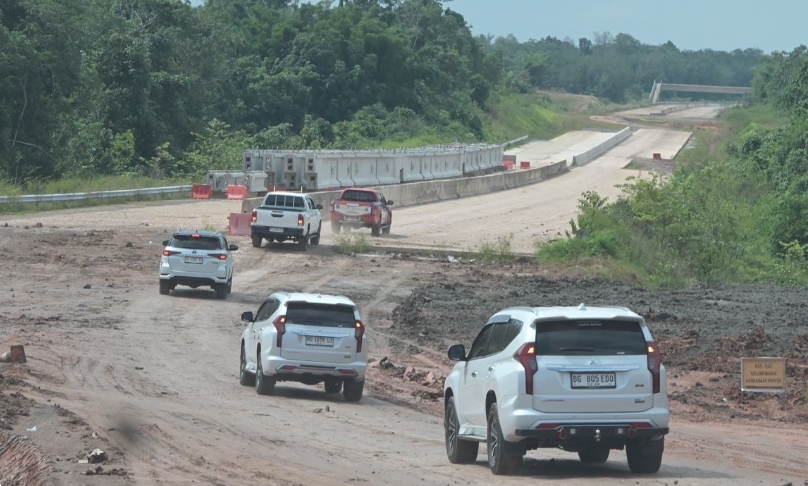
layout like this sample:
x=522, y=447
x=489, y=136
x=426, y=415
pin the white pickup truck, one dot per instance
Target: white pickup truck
x=287, y=216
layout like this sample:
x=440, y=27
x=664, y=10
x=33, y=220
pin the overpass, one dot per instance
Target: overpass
x=695, y=88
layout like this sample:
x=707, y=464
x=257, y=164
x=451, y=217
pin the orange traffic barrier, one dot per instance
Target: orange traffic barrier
x=236, y=192
x=239, y=224
x=508, y=164
x=524, y=165
x=201, y=191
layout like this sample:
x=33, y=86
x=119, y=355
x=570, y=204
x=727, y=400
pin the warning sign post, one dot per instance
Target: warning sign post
x=763, y=375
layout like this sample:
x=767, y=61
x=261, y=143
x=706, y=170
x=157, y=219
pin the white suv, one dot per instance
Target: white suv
x=197, y=259
x=583, y=379
x=308, y=338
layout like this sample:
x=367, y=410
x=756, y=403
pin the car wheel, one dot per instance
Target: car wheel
x=499, y=463
x=335, y=227
x=303, y=242
x=645, y=456
x=459, y=451
x=386, y=229
x=165, y=287
x=221, y=291
x=316, y=239
x=244, y=377
x=352, y=390
x=256, y=240
x=594, y=455
x=230, y=285
x=332, y=386
x=375, y=230
x=264, y=385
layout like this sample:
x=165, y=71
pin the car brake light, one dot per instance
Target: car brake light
x=170, y=252
x=654, y=361
x=254, y=217
x=360, y=333
x=195, y=235
x=300, y=221
x=220, y=256
x=280, y=327
x=527, y=357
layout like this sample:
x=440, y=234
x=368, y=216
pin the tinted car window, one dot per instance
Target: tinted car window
x=266, y=310
x=195, y=243
x=589, y=337
x=328, y=315
x=503, y=335
x=480, y=346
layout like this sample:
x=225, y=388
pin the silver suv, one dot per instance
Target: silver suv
x=582, y=379
x=197, y=259
x=308, y=338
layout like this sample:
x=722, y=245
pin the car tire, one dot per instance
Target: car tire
x=386, y=229
x=499, y=463
x=221, y=291
x=303, y=242
x=335, y=227
x=264, y=385
x=352, y=390
x=644, y=455
x=165, y=287
x=256, y=240
x=332, y=386
x=597, y=454
x=376, y=230
x=316, y=240
x=458, y=450
x=230, y=285
x=244, y=376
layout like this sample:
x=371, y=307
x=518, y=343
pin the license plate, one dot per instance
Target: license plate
x=350, y=219
x=319, y=341
x=593, y=380
x=275, y=230
x=193, y=259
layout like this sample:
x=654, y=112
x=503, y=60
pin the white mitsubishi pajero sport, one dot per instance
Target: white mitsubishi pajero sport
x=583, y=379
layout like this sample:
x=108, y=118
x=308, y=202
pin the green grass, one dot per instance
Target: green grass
x=352, y=243
x=498, y=250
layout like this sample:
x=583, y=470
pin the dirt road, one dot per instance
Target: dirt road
x=152, y=380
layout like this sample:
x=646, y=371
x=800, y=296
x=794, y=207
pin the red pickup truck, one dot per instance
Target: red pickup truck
x=361, y=208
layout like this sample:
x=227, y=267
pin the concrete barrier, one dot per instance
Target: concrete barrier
x=424, y=192
x=596, y=152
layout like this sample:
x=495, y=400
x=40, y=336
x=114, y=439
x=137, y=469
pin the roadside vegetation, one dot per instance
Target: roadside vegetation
x=735, y=210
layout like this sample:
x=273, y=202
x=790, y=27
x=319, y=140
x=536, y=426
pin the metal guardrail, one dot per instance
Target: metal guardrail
x=516, y=140
x=79, y=196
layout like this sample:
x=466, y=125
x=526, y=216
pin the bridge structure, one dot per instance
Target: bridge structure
x=696, y=88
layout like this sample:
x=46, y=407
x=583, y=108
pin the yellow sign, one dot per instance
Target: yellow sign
x=763, y=374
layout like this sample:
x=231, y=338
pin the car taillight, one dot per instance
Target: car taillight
x=654, y=361
x=254, y=217
x=527, y=357
x=220, y=256
x=280, y=327
x=300, y=220
x=360, y=333
x=170, y=252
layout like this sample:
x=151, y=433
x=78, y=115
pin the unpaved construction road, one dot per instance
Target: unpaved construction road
x=152, y=380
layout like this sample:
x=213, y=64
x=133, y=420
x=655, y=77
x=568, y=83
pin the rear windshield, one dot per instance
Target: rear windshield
x=284, y=201
x=358, y=196
x=328, y=315
x=195, y=243
x=589, y=337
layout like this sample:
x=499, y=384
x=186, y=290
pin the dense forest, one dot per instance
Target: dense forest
x=164, y=89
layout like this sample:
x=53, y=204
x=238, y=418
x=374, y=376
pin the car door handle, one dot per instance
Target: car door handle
x=474, y=374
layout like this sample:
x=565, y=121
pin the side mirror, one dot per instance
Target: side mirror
x=232, y=247
x=247, y=316
x=165, y=242
x=389, y=202
x=457, y=352
x=319, y=206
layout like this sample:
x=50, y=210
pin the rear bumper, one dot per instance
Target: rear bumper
x=354, y=221
x=571, y=436
x=285, y=369
x=193, y=279
x=264, y=231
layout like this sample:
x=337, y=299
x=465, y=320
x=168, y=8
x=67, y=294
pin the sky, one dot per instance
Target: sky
x=724, y=25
